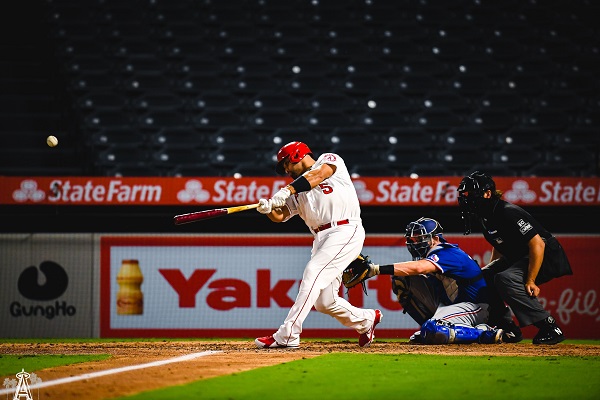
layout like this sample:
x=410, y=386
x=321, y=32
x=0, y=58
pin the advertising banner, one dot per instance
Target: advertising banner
x=46, y=285
x=211, y=191
x=243, y=286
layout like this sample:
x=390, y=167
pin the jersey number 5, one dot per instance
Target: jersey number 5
x=326, y=189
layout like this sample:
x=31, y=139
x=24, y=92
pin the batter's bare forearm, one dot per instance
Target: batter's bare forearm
x=315, y=176
x=278, y=214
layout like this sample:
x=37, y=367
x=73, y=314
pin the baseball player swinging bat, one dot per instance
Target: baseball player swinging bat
x=207, y=214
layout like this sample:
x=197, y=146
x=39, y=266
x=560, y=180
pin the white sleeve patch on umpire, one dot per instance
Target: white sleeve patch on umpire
x=524, y=227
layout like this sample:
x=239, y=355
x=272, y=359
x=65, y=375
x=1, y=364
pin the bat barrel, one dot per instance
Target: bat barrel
x=198, y=216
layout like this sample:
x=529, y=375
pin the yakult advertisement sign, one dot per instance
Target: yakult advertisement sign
x=243, y=286
x=438, y=191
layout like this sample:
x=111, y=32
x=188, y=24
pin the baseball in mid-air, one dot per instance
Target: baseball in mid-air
x=52, y=141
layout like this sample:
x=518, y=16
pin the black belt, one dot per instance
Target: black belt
x=329, y=225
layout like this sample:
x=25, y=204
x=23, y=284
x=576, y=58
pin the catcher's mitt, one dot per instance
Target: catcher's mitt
x=357, y=272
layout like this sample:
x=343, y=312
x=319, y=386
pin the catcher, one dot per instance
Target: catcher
x=442, y=289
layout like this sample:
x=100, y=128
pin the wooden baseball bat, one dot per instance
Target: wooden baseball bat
x=207, y=214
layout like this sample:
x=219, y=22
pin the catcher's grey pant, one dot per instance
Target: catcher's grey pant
x=465, y=313
x=333, y=249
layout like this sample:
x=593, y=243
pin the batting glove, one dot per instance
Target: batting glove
x=279, y=198
x=264, y=206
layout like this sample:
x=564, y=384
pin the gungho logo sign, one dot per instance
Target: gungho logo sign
x=54, y=286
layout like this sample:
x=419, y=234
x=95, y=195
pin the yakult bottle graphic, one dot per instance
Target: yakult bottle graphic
x=130, y=299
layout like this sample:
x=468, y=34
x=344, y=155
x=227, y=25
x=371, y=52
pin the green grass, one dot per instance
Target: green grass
x=378, y=376
x=11, y=364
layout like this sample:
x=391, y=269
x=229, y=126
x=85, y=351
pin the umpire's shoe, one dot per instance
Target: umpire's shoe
x=549, y=332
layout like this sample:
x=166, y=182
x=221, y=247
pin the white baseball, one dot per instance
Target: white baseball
x=52, y=141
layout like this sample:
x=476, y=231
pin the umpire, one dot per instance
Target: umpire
x=524, y=255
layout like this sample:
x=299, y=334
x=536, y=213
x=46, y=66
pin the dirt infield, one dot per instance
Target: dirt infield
x=233, y=357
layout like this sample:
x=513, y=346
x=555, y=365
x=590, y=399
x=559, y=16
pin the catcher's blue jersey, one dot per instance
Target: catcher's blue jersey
x=456, y=264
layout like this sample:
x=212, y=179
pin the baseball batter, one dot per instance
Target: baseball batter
x=323, y=195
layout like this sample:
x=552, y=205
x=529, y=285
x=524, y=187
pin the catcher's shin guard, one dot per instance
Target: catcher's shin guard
x=442, y=332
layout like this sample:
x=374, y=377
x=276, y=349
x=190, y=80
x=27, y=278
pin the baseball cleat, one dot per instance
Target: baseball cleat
x=550, y=333
x=268, y=342
x=365, y=339
x=416, y=338
x=512, y=333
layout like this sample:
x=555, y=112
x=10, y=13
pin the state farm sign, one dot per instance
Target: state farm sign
x=210, y=191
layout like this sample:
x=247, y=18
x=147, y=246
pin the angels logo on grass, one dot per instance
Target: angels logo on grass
x=21, y=387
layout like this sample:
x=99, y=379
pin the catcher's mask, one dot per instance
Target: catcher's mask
x=296, y=151
x=471, y=199
x=419, y=236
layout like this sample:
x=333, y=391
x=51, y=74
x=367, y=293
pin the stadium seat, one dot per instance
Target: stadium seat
x=108, y=119
x=152, y=102
x=156, y=120
x=430, y=170
x=516, y=158
x=105, y=100
x=211, y=119
x=328, y=119
x=524, y=138
x=493, y=120
x=383, y=119
x=332, y=101
x=467, y=138
x=274, y=101
x=353, y=139
x=246, y=170
x=389, y=103
x=578, y=158
x=438, y=120
x=447, y=100
x=403, y=159
x=463, y=158
x=545, y=170
x=123, y=138
x=225, y=158
x=215, y=101
x=168, y=158
x=272, y=119
x=472, y=85
x=179, y=138
x=547, y=120
x=236, y=139
x=502, y=100
x=411, y=138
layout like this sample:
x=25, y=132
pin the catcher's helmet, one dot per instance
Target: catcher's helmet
x=419, y=235
x=296, y=151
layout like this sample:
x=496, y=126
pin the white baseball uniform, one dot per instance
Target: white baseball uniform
x=334, y=202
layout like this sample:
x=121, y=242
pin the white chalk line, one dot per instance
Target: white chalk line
x=98, y=374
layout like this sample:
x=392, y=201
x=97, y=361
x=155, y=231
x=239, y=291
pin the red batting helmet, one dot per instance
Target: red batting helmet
x=296, y=151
